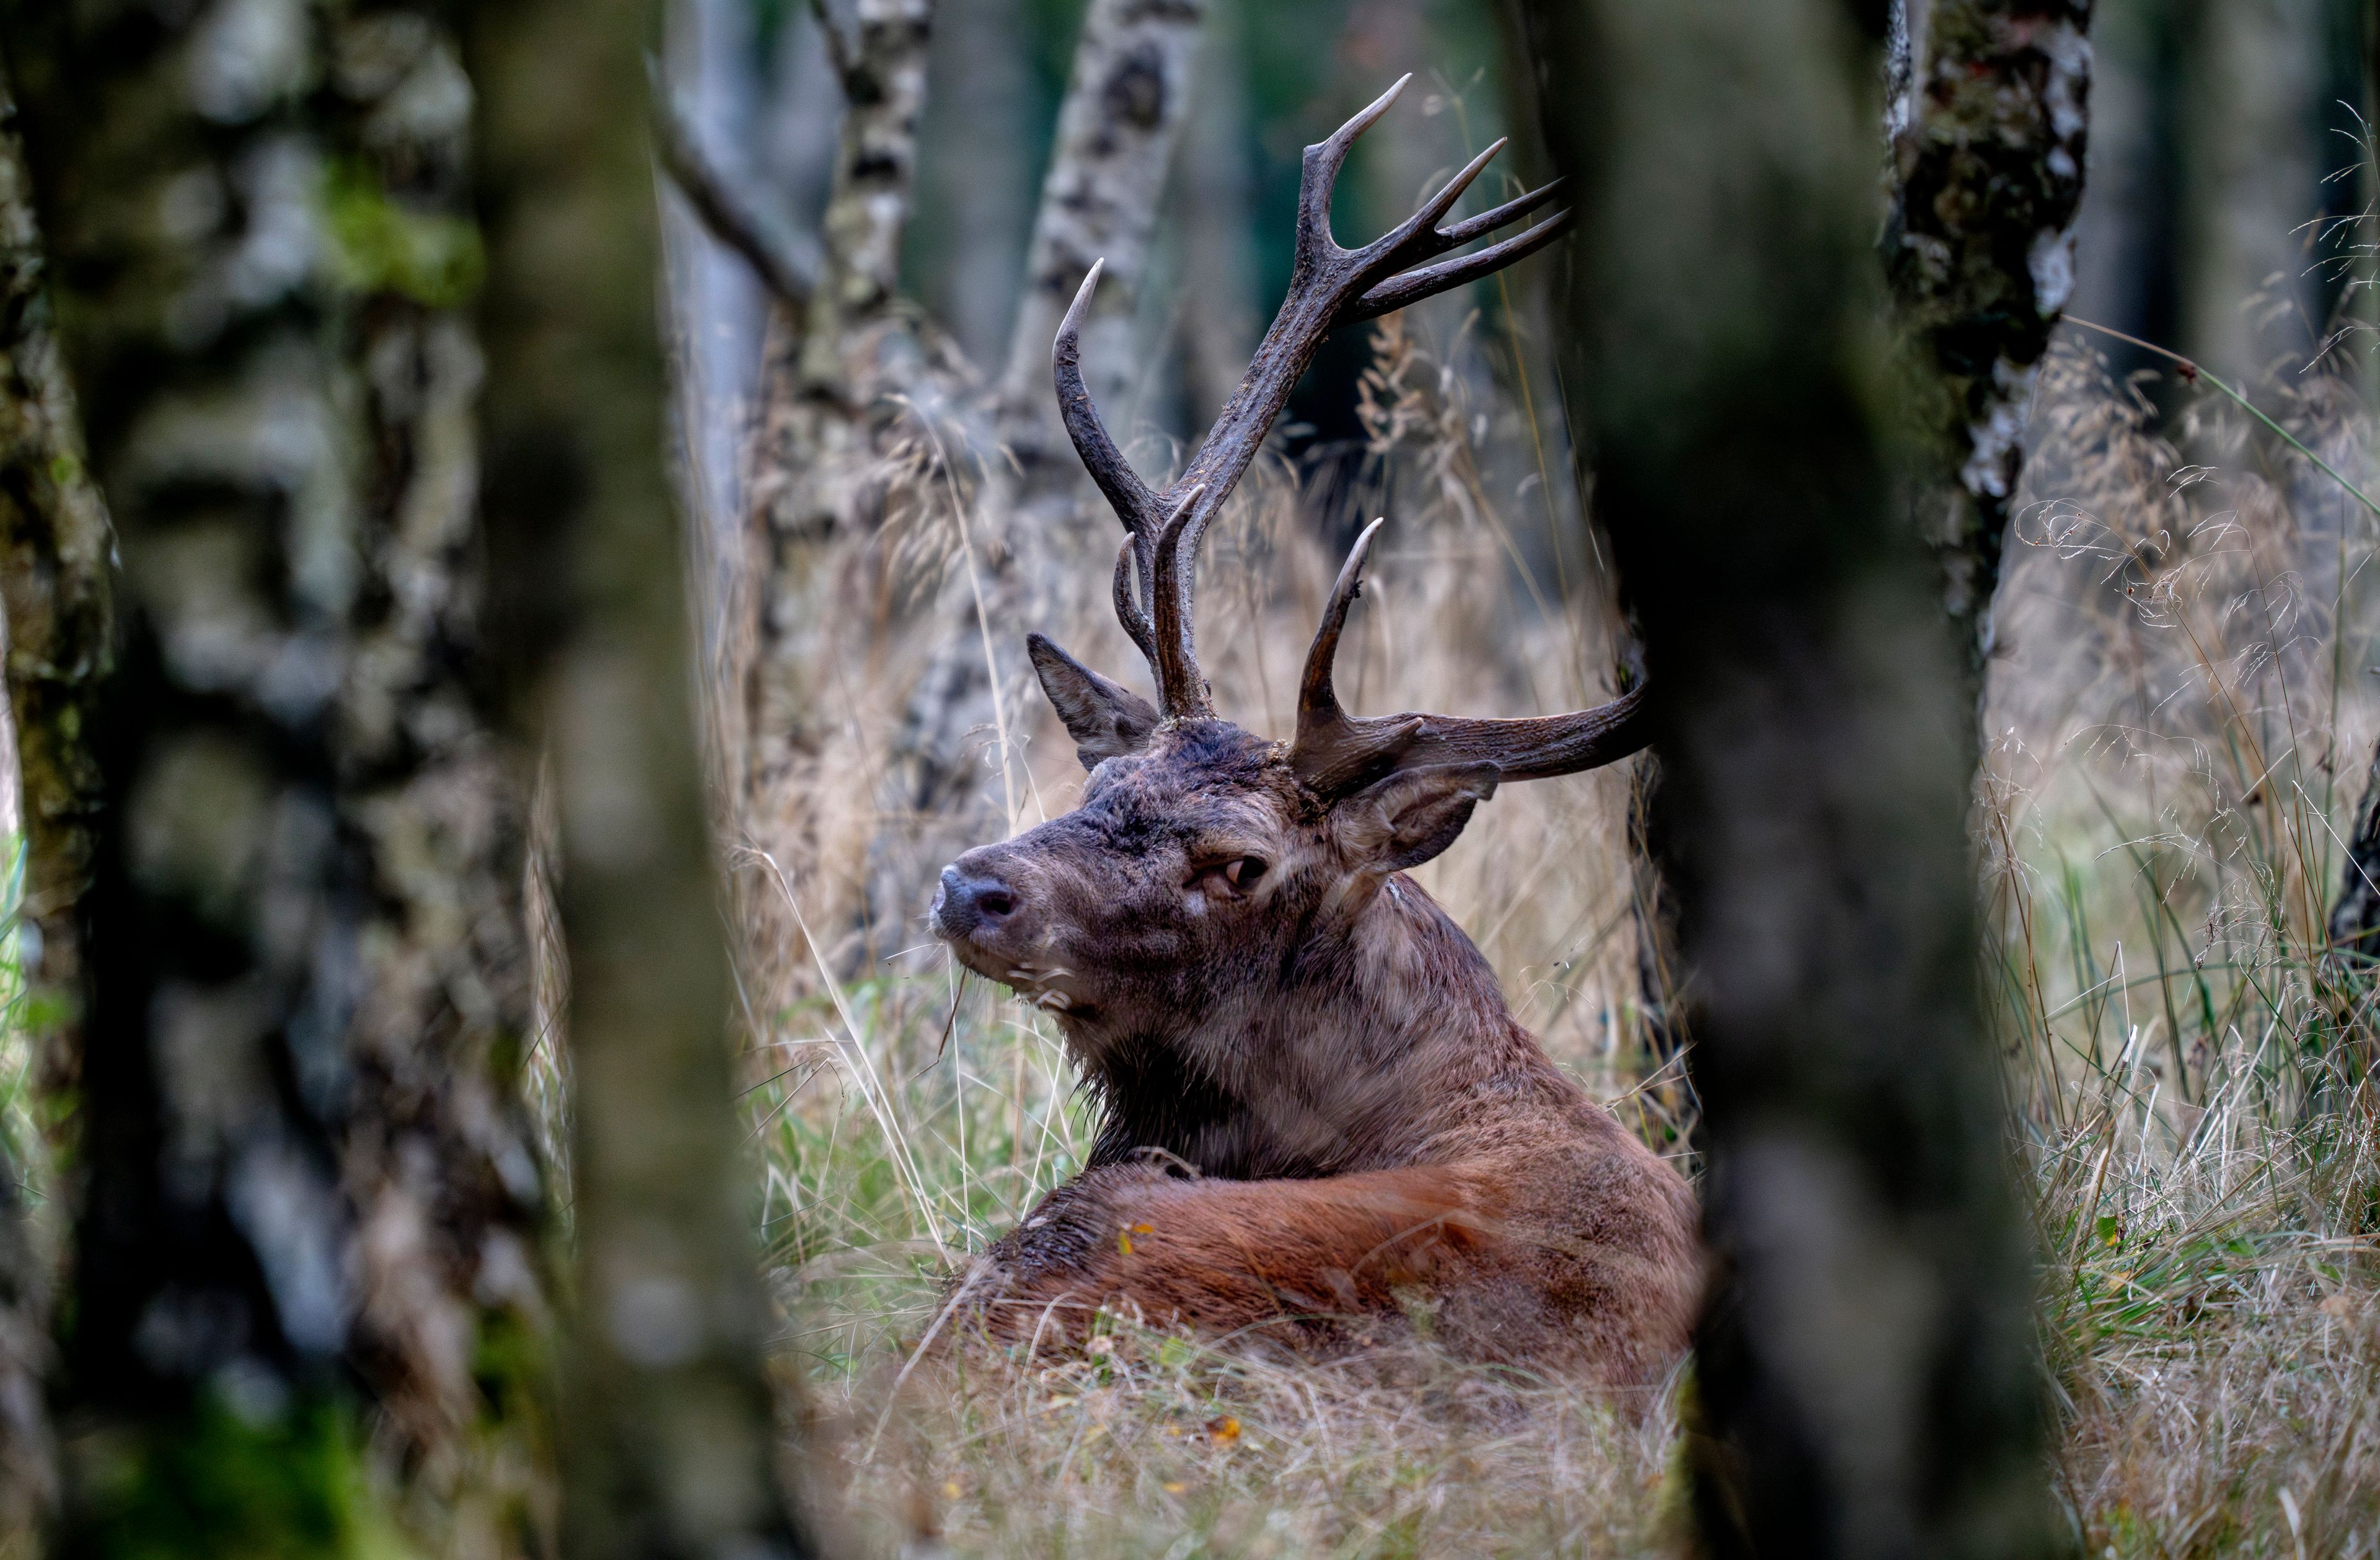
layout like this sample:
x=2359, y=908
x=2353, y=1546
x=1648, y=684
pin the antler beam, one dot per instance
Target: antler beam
x=1330, y=286
x=1335, y=753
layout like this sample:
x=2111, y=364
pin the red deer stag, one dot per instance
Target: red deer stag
x=1317, y=1111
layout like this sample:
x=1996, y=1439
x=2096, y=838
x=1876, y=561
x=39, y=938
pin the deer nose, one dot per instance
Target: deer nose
x=968, y=901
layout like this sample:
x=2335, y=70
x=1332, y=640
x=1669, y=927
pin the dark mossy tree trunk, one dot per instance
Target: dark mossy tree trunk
x=1988, y=115
x=1865, y=1379
x=668, y=1447
x=306, y=1293
x=56, y=579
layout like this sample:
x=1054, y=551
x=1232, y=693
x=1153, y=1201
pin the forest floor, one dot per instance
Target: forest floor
x=2209, y=1325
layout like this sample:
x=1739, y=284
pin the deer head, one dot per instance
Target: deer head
x=1212, y=880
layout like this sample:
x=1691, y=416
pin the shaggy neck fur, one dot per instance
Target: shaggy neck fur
x=1374, y=1041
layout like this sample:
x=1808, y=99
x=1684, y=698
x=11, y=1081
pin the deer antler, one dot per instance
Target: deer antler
x=1329, y=286
x=1335, y=752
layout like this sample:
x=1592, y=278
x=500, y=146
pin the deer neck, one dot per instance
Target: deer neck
x=1368, y=1046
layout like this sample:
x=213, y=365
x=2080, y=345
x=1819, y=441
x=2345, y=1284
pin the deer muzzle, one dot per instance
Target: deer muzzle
x=969, y=903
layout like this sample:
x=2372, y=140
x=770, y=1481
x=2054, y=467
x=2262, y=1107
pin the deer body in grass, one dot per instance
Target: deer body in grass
x=1319, y=1119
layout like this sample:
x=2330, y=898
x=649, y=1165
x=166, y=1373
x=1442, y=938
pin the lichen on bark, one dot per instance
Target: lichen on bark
x=1987, y=159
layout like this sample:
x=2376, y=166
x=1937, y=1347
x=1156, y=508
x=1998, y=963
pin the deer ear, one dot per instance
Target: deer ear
x=1104, y=718
x=1411, y=816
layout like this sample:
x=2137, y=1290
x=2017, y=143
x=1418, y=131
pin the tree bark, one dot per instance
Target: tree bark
x=435, y=1149
x=305, y=1170
x=832, y=386
x=1987, y=145
x=1865, y=1379
x=668, y=1446
x=57, y=582
x=1035, y=549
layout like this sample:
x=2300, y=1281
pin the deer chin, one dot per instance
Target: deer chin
x=1029, y=973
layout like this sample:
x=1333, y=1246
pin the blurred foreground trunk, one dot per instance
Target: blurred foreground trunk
x=1987, y=133
x=57, y=578
x=668, y=1446
x=1865, y=1381
x=305, y=1168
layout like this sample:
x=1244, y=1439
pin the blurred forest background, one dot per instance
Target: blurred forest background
x=870, y=216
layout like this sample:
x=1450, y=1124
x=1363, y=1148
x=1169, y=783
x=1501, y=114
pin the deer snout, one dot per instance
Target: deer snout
x=969, y=901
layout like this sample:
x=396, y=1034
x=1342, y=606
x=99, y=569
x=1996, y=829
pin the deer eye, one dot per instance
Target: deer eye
x=1243, y=873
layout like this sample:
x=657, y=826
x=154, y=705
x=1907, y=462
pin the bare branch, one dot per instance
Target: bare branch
x=779, y=264
x=839, y=49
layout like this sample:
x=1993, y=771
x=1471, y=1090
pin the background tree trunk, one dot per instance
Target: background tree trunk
x=836, y=376
x=1987, y=159
x=1865, y=1382
x=668, y=1444
x=1034, y=547
x=303, y=1153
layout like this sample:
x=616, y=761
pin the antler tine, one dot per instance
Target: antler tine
x=1126, y=494
x=1133, y=504
x=1317, y=701
x=1461, y=233
x=1335, y=753
x=1130, y=613
x=1321, y=174
x=1427, y=281
x=1181, y=688
x=1398, y=243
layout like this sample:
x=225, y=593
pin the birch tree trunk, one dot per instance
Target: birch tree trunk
x=668, y=1444
x=836, y=376
x=56, y=579
x=1866, y=1382
x=305, y=1168
x=1987, y=144
x=1036, y=550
